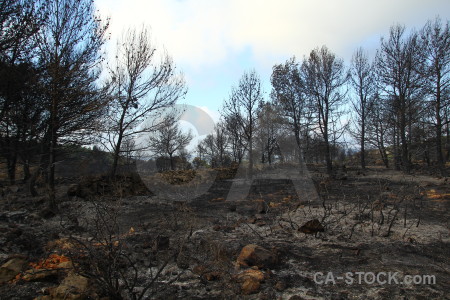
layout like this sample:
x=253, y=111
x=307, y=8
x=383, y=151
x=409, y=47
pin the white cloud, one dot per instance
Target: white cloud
x=214, y=114
x=205, y=33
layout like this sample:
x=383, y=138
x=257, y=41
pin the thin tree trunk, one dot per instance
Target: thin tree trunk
x=250, y=165
x=26, y=170
x=363, y=150
x=439, y=156
x=404, y=149
x=51, y=173
x=172, y=166
x=116, y=158
x=11, y=163
x=328, y=156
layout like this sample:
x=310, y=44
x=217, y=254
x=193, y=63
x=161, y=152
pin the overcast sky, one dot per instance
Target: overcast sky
x=213, y=41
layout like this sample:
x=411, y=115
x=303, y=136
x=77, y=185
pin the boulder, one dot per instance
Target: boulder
x=254, y=255
x=250, y=286
x=213, y=275
x=250, y=280
x=161, y=243
x=72, y=190
x=11, y=268
x=73, y=287
x=261, y=207
x=47, y=269
x=312, y=227
x=13, y=189
x=44, y=275
x=253, y=273
x=280, y=286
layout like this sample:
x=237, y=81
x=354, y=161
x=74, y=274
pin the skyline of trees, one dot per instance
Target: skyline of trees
x=51, y=95
x=396, y=102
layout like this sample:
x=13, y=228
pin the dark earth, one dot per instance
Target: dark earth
x=260, y=246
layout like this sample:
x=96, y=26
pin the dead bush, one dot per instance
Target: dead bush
x=107, y=257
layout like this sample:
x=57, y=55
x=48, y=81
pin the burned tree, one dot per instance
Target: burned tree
x=242, y=107
x=289, y=93
x=325, y=78
x=68, y=50
x=435, y=67
x=22, y=123
x=169, y=139
x=215, y=146
x=401, y=85
x=140, y=86
x=20, y=20
x=377, y=121
x=236, y=139
x=20, y=104
x=363, y=83
x=269, y=131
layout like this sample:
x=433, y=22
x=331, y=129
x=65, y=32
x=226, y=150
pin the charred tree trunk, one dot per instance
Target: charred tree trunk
x=362, y=142
x=172, y=165
x=26, y=170
x=439, y=155
x=11, y=163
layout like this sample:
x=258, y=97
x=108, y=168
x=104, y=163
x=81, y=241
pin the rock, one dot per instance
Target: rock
x=65, y=265
x=250, y=286
x=161, y=243
x=377, y=205
x=260, y=223
x=48, y=269
x=13, y=189
x=14, y=216
x=312, y=227
x=72, y=190
x=73, y=287
x=340, y=176
x=253, y=273
x=47, y=213
x=13, y=233
x=268, y=294
x=224, y=228
x=280, y=286
x=207, y=274
x=261, y=207
x=251, y=280
x=296, y=297
x=182, y=262
x=199, y=270
x=275, y=204
x=232, y=207
x=43, y=275
x=252, y=220
x=11, y=268
x=220, y=199
x=213, y=275
x=45, y=297
x=254, y=255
